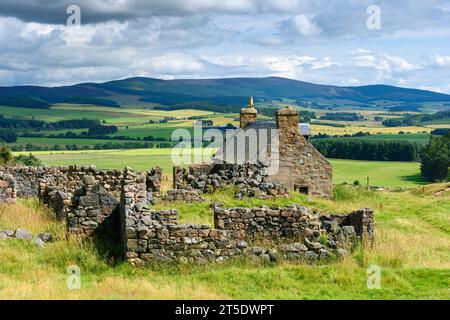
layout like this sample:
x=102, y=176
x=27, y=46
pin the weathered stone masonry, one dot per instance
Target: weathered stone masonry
x=293, y=232
x=249, y=179
x=7, y=188
x=116, y=204
x=84, y=196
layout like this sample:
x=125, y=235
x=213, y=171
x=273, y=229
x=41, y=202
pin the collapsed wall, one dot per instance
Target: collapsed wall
x=293, y=232
x=249, y=179
x=58, y=186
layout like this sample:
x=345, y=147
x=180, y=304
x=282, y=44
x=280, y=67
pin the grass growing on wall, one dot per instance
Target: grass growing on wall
x=412, y=248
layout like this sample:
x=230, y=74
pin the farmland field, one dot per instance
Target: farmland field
x=421, y=138
x=109, y=114
x=351, y=129
x=381, y=173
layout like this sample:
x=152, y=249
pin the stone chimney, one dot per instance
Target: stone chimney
x=287, y=120
x=248, y=114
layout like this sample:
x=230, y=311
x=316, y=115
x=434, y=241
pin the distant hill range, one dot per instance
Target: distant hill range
x=232, y=92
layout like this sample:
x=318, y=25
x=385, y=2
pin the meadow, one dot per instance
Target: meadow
x=419, y=271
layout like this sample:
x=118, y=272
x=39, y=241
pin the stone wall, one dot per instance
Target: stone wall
x=361, y=220
x=149, y=235
x=7, y=188
x=293, y=232
x=56, y=186
x=295, y=223
x=249, y=179
x=90, y=207
x=154, y=181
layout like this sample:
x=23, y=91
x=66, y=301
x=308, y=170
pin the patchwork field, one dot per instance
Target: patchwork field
x=351, y=129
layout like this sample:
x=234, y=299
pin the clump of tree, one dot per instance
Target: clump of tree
x=7, y=158
x=14, y=123
x=32, y=124
x=440, y=131
x=342, y=116
x=435, y=159
x=28, y=160
x=72, y=124
x=8, y=135
x=100, y=130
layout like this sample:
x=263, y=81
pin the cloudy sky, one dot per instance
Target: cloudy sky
x=320, y=41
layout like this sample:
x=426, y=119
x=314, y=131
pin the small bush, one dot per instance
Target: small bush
x=29, y=160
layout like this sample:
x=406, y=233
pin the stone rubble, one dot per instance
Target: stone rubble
x=250, y=180
x=23, y=234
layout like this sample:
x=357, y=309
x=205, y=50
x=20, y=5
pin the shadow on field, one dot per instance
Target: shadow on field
x=415, y=178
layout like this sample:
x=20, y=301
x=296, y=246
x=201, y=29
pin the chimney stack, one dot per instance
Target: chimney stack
x=287, y=120
x=248, y=114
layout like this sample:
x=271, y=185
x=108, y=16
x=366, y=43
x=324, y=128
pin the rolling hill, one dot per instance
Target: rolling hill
x=233, y=91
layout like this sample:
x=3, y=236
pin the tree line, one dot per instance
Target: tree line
x=32, y=124
x=417, y=119
x=8, y=136
x=362, y=149
x=342, y=116
x=97, y=146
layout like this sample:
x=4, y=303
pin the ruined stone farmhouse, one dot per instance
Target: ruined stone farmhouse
x=300, y=167
x=115, y=207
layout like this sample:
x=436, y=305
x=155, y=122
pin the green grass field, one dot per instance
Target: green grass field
x=421, y=138
x=381, y=173
x=63, y=141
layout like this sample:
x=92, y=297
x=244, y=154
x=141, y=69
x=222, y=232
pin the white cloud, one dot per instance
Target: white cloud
x=301, y=25
x=312, y=40
x=384, y=62
x=441, y=61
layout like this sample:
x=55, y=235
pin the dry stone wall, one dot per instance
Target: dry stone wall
x=317, y=232
x=264, y=233
x=57, y=186
x=249, y=179
x=7, y=188
x=91, y=206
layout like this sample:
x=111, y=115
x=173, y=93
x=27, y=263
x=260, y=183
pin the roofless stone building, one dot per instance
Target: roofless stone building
x=301, y=166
